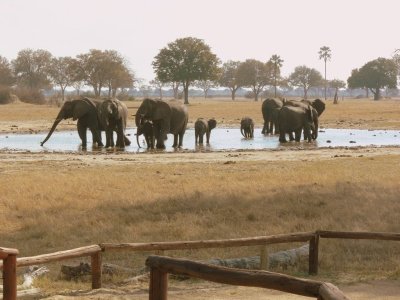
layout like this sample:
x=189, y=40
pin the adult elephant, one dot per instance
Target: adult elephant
x=84, y=110
x=295, y=119
x=203, y=127
x=270, y=110
x=113, y=116
x=167, y=117
x=317, y=104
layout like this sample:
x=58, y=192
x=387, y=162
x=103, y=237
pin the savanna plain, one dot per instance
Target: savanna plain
x=57, y=201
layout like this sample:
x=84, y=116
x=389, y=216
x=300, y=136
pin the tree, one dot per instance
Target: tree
x=276, y=62
x=375, y=75
x=205, y=85
x=158, y=85
x=186, y=60
x=305, y=77
x=228, y=76
x=336, y=84
x=30, y=68
x=325, y=54
x=105, y=69
x=6, y=76
x=255, y=75
x=62, y=72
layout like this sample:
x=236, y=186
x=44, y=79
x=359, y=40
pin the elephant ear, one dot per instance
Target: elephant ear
x=80, y=109
x=310, y=114
x=162, y=110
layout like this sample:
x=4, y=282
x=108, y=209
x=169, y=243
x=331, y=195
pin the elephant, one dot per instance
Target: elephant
x=168, y=117
x=270, y=110
x=247, y=127
x=113, y=116
x=86, y=112
x=317, y=104
x=202, y=127
x=147, y=128
x=295, y=119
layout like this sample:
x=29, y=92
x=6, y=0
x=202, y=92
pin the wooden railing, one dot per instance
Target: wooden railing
x=9, y=259
x=160, y=266
x=95, y=251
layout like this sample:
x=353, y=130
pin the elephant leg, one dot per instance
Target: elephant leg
x=263, y=129
x=181, y=139
x=298, y=135
x=82, y=133
x=201, y=138
x=108, y=138
x=282, y=136
x=127, y=141
x=96, y=137
x=208, y=136
x=175, y=144
x=291, y=137
x=196, y=137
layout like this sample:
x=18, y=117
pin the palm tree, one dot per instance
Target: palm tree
x=325, y=54
x=276, y=61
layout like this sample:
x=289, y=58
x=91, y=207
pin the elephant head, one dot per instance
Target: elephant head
x=212, y=123
x=312, y=121
x=159, y=112
x=74, y=109
x=317, y=104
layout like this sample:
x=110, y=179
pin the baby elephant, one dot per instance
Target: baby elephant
x=247, y=127
x=146, y=128
x=202, y=127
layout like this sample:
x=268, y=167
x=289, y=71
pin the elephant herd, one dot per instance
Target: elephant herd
x=156, y=118
x=289, y=116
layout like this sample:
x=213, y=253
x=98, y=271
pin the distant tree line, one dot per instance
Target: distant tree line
x=34, y=71
x=184, y=63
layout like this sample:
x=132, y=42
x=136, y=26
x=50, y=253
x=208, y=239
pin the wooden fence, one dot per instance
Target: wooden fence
x=95, y=251
x=160, y=266
x=9, y=259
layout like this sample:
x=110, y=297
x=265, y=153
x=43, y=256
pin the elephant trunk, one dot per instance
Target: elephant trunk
x=137, y=138
x=58, y=120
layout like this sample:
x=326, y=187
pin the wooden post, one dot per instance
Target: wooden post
x=264, y=258
x=158, y=284
x=10, y=277
x=96, y=270
x=313, y=255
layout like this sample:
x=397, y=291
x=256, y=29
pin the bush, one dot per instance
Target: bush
x=249, y=95
x=33, y=96
x=5, y=95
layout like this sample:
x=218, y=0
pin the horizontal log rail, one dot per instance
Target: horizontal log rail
x=253, y=241
x=8, y=256
x=57, y=256
x=160, y=266
x=359, y=235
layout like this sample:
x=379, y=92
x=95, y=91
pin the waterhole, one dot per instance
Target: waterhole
x=221, y=139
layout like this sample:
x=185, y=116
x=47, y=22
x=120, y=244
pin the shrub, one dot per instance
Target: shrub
x=5, y=95
x=33, y=96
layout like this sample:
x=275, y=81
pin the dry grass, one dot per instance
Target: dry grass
x=350, y=113
x=48, y=205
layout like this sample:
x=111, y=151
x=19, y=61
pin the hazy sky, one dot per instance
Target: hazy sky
x=357, y=31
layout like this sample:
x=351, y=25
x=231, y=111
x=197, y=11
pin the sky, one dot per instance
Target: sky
x=356, y=31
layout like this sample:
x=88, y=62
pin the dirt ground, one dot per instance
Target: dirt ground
x=382, y=290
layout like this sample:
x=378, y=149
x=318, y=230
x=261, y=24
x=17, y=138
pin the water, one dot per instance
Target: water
x=221, y=139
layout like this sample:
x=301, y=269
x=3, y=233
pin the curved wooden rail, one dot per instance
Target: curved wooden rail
x=160, y=266
x=9, y=258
